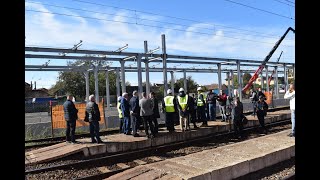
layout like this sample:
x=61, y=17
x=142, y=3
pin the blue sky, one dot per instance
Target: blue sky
x=226, y=29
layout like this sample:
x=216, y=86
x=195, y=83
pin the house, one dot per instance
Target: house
x=43, y=92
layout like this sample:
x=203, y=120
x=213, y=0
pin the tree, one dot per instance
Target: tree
x=246, y=78
x=74, y=82
x=191, y=85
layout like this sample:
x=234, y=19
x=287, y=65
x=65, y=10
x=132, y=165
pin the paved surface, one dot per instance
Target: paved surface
x=121, y=142
x=223, y=163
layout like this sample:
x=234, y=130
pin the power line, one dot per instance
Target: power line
x=261, y=10
x=284, y=3
x=173, y=17
x=290, y=1
x=147, y=25
x=270, y=36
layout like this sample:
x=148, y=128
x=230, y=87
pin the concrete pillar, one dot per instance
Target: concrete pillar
x=147, y=69
x=262, y=81
x=164, y=64
x=294, y=72
x=185, y=81
x=232, y=75
x=172, y=82
x=219, y=76
x=239, y=80
x=267, y=77
x=228, y=78
x=118, y=82
x=285, y=77
x=140, y=89
x=123, y=77
x=107, y=87
x=276, y=82
x=96, y=85
x=86, y=74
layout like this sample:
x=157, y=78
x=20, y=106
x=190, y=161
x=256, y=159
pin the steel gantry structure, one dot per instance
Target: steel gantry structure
x=148, y=57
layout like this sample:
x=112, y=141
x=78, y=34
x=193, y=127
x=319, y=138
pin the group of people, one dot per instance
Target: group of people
x=92, y=115
x=134, y=112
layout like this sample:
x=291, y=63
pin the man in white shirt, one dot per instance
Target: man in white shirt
x=290, y=94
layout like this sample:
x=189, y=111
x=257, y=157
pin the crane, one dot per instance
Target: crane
x=266, y=59
x=269, y=80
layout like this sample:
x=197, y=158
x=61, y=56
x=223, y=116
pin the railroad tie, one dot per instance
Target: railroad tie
x=122, y=165
x=104, y=169
x=140, y=162
x=155, y=158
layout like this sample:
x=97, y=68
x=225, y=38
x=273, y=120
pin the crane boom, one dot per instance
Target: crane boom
x=266, y=59
x=269, y=80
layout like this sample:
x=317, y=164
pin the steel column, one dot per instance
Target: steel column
x=118, y=82
x=239, y=80
x=164, y=64
x=123, y=77
x=86, y=74
x=96, y=84
x=185, y=81
x=107, y=88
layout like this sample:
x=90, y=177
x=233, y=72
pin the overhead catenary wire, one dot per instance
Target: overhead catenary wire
x=283, y=3
x=133, y=23
x=260, y=9
x=144, y=19
x=173, y=17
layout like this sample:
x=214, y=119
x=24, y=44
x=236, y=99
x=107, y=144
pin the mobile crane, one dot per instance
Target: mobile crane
x=266, y=59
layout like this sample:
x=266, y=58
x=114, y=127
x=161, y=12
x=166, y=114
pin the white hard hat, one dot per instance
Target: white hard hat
x=181, y=89
x=169, y=91
x=199, y=89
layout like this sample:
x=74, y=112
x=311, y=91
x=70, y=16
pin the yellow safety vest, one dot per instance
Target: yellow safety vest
x=168, y=102
x=119, y=110
x=183, y=101
x=199, y=102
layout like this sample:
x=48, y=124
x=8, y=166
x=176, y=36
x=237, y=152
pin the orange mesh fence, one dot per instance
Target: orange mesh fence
x=58, y=120
x=269, y=97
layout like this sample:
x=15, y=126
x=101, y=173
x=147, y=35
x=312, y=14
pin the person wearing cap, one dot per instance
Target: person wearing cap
x=170, y=108
x=201, y=104
x=290, y=94
x=135, y=113
x=262, y=108
x=120, y=114
x=183, y=107
x=212, y=100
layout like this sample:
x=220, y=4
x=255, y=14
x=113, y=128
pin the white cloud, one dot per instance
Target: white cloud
x=52, y=30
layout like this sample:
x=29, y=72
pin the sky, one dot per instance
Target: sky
x=245, y=29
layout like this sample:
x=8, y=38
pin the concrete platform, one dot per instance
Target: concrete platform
x=222, y=163
x=121, y=143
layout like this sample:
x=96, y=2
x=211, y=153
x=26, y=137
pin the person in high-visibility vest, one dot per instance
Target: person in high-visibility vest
x=169, y=107
x=201, y=104
x=183, y=107
x=120, y=114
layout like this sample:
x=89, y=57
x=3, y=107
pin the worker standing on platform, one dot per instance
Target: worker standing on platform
x=262, y=108
x=70, y=115
x=135, y=113
x=183, y=107
x=156, y=113
x=201, y=104
x=222, y=99
x=169, y=107
x=93, y=113
x=120, y=114
x=125, y=108
x=290, y=94
x=237, y=114
x=254, y=99
x=146, y=112
x=192, y=111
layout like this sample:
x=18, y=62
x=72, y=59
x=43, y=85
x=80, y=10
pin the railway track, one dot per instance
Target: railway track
x=105, y=166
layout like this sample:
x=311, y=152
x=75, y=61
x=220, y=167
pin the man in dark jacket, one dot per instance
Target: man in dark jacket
x=125, y=108
x=211, y=101
x=237, y=114
x=93, y=114
x=260, y=93
x=70, y=115
x=156, y=113
x=262, y=108
x=192, y=110
x=254, y=99
x=146, y=112
x=135, y=113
